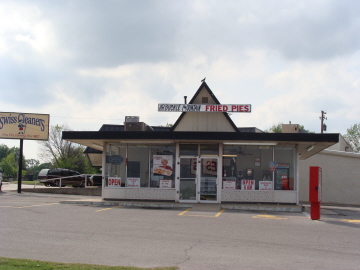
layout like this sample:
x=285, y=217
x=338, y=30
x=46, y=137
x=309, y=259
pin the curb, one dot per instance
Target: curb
x=160, y=205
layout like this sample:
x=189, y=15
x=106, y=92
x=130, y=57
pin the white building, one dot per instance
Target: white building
x=204, y=157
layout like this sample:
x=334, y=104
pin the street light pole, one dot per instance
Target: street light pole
x=323, y=126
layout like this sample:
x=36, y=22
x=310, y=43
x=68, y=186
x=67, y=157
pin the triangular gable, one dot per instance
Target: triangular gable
x=204, y=121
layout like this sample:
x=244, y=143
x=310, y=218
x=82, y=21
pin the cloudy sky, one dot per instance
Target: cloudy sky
x=87, y=62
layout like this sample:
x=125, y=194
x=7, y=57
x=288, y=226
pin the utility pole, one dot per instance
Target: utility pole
x=322, y=118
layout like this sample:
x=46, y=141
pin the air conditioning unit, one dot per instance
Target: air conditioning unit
x=132, y=119
x=135, y=126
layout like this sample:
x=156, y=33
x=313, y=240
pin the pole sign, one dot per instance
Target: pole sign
x=27, y=126
x=233, y=108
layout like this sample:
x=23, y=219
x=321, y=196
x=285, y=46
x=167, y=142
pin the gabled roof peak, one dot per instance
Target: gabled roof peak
x=208, y=98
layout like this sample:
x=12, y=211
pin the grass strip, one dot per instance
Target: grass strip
x=19, y=264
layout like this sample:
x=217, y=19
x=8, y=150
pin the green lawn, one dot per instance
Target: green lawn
x=17, y=264
x=27, y=182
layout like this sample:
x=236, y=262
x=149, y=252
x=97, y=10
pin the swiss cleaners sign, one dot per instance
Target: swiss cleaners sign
x=26, y=126
x=234, y=108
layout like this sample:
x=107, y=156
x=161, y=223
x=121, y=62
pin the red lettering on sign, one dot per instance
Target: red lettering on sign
x=114, y=182
x=211, y=166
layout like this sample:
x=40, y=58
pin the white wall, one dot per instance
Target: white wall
x=340, y=177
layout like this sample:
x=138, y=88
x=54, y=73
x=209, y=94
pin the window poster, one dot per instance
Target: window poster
x=162, y=164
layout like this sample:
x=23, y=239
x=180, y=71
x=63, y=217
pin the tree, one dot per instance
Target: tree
x=10, y=166
x=353, y=137
x=274, y=129
x=30, y=164
x=5, y=150
x=277, y=128
x=64, y=154
x=167, y=125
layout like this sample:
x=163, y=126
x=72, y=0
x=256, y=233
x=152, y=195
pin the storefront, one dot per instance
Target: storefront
x=202, y=158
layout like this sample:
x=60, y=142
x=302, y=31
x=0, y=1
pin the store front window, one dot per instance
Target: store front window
x=247, y=167
x=115, y=169
x=285, y=169
x=137, y=173
x=162, y=166
x=140, y=166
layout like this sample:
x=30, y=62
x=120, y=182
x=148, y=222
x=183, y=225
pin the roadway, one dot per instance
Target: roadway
x=44, y=227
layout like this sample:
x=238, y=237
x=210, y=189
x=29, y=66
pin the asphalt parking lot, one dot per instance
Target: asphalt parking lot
x=44, y=227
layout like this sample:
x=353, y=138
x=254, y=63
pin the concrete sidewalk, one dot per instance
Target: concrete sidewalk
x=202, y=206
x=98, y=201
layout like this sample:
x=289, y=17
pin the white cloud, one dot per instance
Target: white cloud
x=92, y=62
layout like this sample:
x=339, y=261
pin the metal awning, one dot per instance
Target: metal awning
x=308, y=144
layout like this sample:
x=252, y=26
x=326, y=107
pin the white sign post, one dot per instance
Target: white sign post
x=23, y=126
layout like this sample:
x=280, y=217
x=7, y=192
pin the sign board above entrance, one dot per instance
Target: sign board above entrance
x=234, y=108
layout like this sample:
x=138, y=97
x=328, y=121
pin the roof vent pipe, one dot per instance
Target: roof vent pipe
x=185, y=97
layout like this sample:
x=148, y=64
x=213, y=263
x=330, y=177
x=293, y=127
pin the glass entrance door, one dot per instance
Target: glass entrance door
x=199, y=179
x=188, y=179
x=208, y=179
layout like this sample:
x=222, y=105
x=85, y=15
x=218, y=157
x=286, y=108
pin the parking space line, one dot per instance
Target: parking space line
x=351, y=220
x=187, y=210
x=268, y=217
x=182, y=213
x=108, y=208
x=27, y=206
x=221, y=211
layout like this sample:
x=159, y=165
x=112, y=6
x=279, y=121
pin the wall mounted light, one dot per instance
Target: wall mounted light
x=311, y=147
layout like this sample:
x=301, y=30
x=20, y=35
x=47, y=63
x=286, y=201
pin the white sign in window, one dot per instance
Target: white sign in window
x=248, y=184
x=114, y=182
x=165, y=183
x=133, y=182
x=265, y=185
x=229, y=184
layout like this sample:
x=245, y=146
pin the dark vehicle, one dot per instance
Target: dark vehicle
x=96, y=180
x=51, y=177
